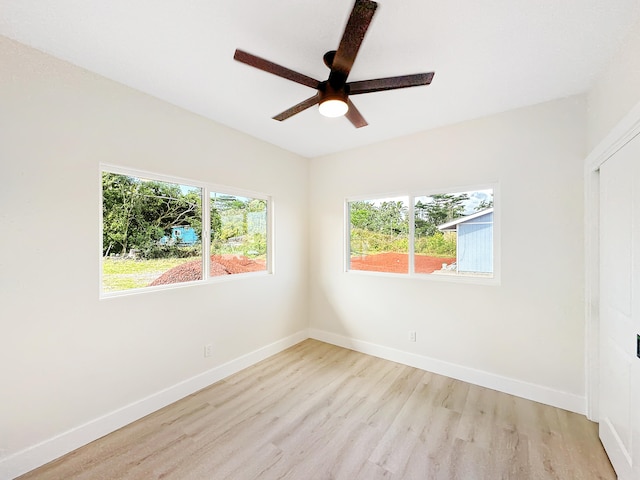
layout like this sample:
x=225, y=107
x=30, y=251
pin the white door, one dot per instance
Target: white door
x=620, y=309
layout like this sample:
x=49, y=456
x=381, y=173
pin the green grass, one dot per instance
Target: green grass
x=111, y=266
x=125, y=274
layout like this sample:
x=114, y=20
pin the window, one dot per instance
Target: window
x=447, y=234
x=153, y=235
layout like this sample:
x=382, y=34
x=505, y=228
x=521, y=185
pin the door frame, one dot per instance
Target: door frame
x=627, y=129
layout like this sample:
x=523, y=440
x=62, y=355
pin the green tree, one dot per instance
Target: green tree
x=388, y=217
x=238, y=225
x=138, y=213
x=439, y=209
x=484, y=205
x=118, y=211
x=362, y=214
x=379, y=226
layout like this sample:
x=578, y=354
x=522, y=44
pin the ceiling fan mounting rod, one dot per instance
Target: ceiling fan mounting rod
x=328, y=58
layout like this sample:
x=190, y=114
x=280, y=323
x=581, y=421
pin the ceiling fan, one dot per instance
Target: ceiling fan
x=333, y=94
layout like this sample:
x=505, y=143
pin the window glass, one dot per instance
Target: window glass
x=238, y=234
x=379, y=235
x=151, y=232
x=454, y=233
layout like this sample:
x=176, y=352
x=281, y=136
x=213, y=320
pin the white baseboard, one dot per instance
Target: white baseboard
x=44, y=452
x=530, y=391
x=616, y=450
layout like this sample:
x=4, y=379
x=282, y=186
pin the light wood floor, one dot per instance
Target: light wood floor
x=317, y=412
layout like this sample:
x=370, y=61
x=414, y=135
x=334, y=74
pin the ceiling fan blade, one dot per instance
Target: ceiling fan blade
x=274, y=68
x=309, y=102
x=390, y=83
x=354, y=116
x=357, y=25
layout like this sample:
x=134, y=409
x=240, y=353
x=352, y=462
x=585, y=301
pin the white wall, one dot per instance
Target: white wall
x=66, y=357
x=525, y=335
x=617, y=90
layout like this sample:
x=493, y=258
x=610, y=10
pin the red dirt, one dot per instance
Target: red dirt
x=398, y=263
x=220, y=265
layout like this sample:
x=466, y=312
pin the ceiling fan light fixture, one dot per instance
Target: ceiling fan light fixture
x=333, y=107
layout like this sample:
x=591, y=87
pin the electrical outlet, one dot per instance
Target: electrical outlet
x=208, y=350
x=412, y=335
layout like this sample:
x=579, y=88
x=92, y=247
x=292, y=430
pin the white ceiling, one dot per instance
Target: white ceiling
x=488, y=56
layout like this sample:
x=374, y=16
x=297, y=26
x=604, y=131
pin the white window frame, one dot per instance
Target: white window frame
x=495, y=279
x=206, y=190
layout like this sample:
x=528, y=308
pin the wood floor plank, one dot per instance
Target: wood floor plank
x=371, y=471
x=430, y=458
x=320, y=412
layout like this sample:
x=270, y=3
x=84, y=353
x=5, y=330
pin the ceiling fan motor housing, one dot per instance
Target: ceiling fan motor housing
x=328, y=92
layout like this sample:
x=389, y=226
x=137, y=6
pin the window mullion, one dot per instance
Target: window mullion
x=206, y=233
x=412, y=230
